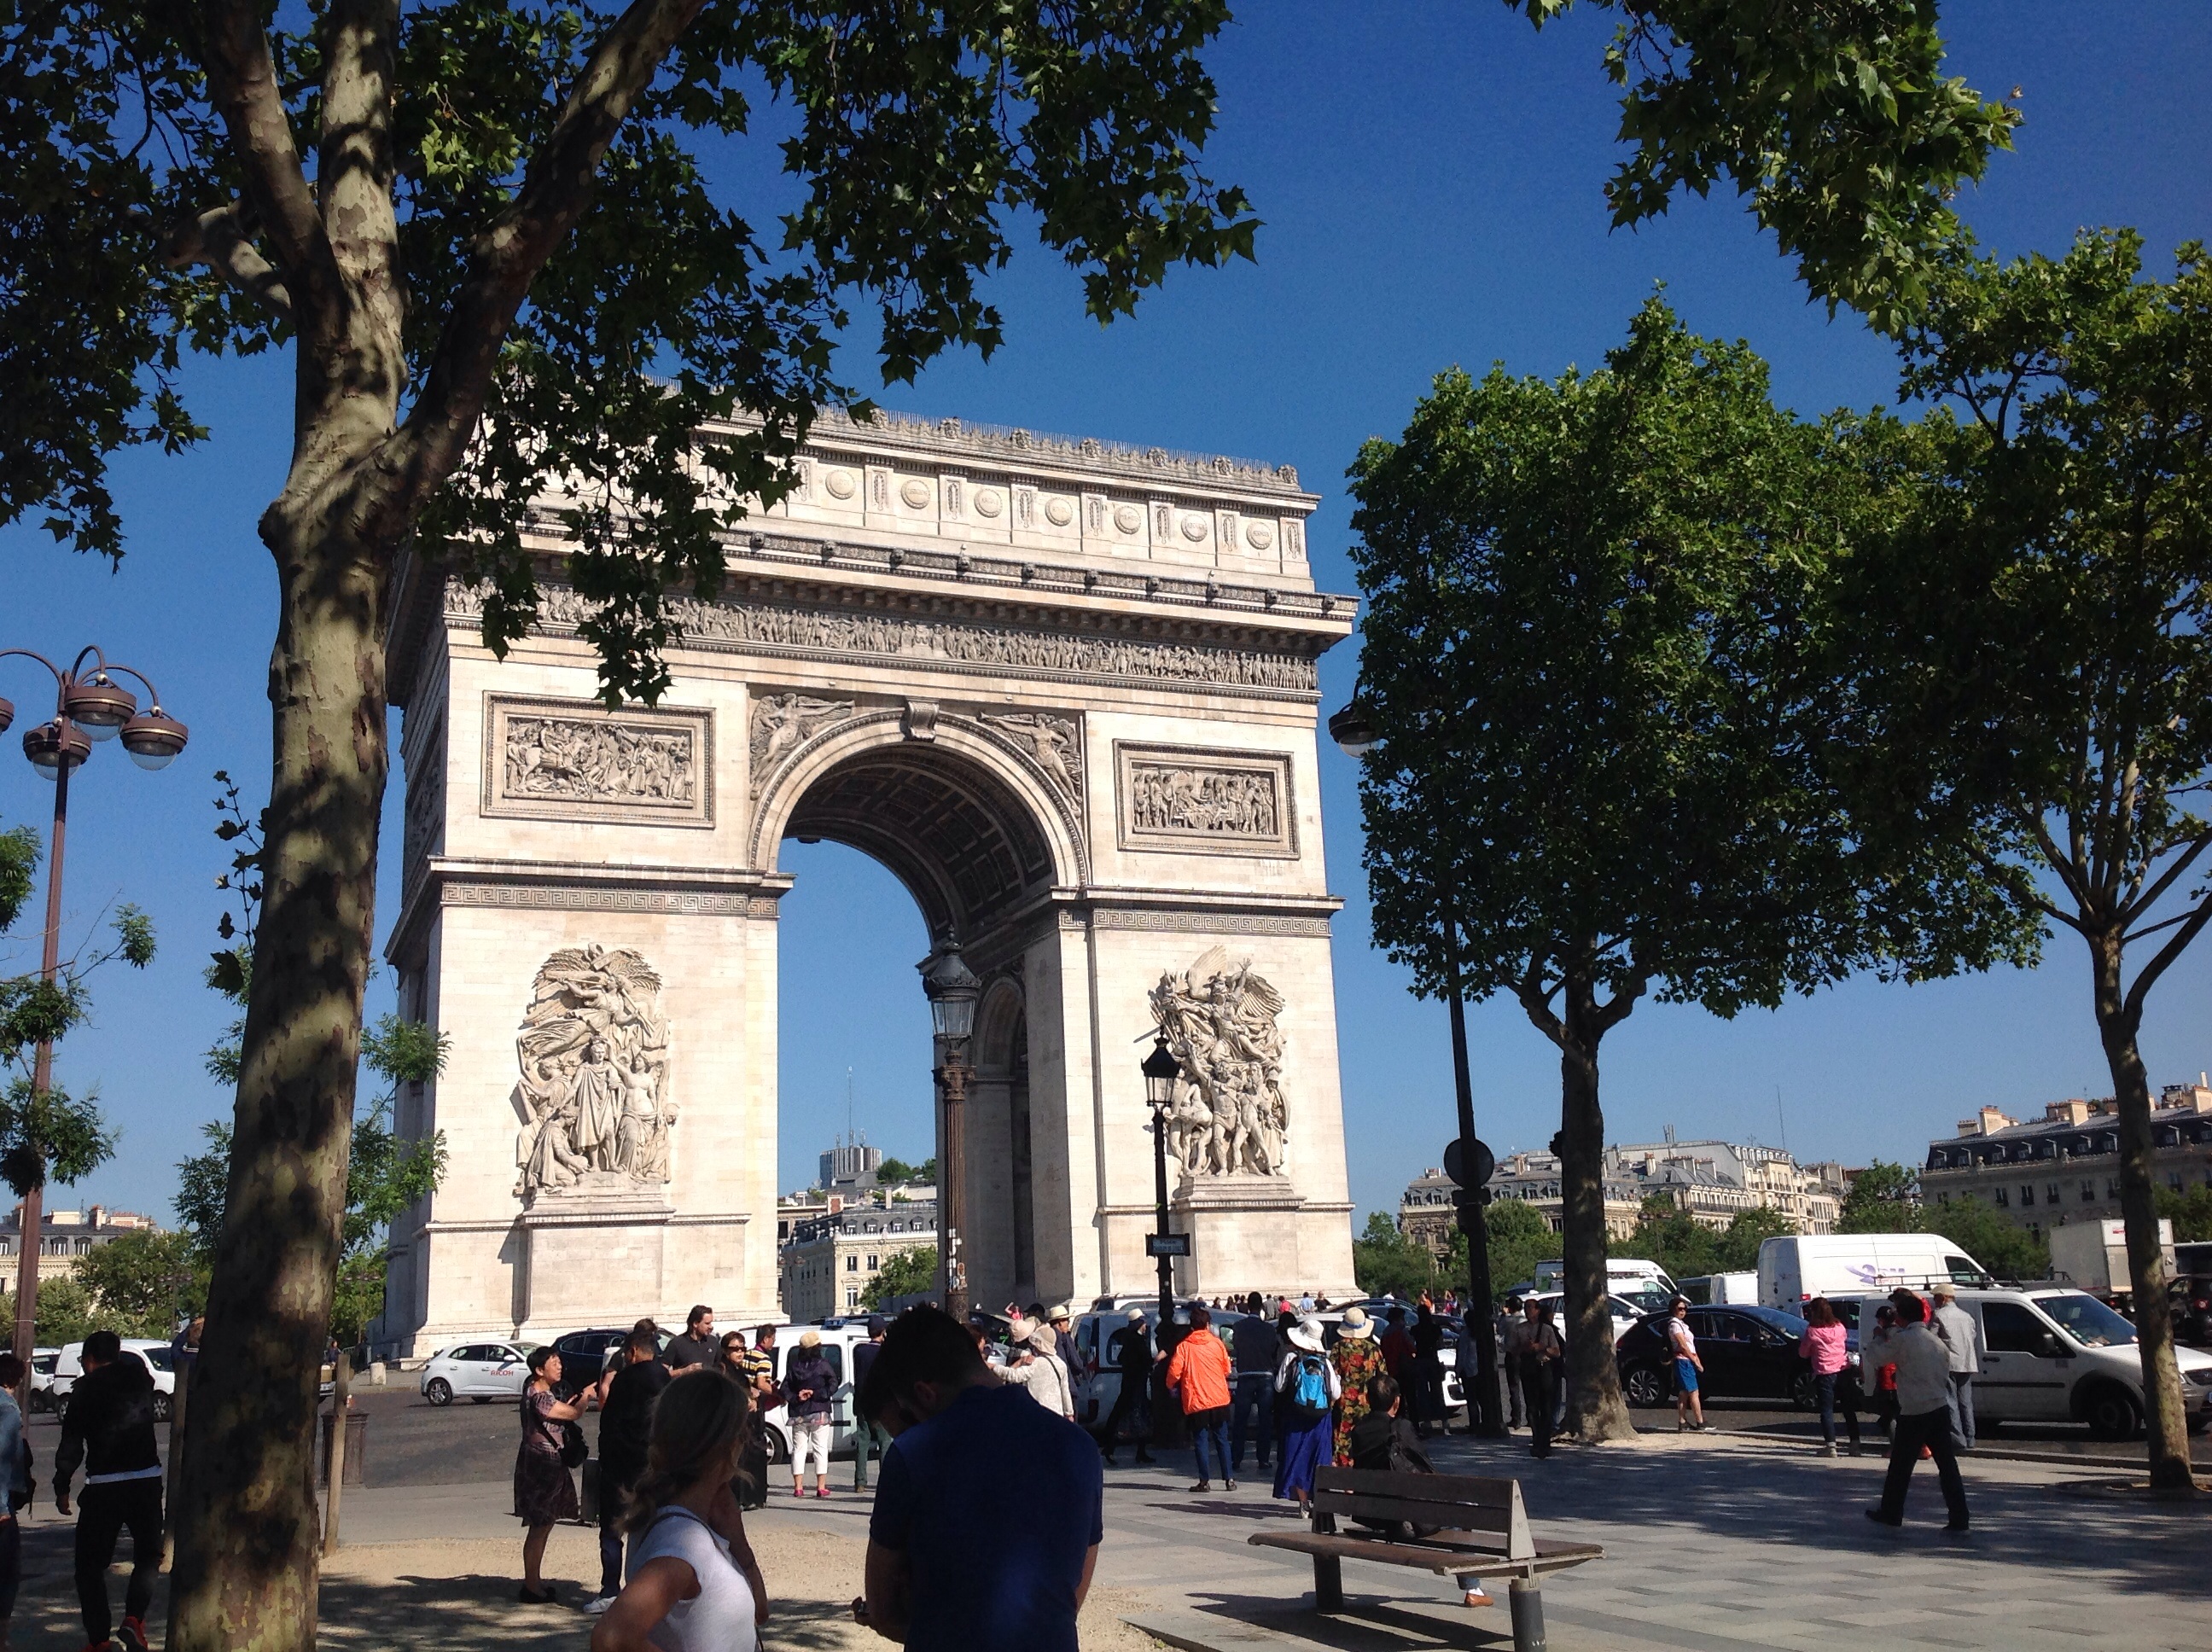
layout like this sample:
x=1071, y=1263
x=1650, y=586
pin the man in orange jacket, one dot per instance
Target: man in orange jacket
x=1199, y=1374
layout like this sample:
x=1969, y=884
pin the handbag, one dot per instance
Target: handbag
x=574, y=1446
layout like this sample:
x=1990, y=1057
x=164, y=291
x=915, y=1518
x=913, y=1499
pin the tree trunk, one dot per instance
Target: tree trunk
x=247, y=1537
x=2165, y=1422
x=1596, y=1410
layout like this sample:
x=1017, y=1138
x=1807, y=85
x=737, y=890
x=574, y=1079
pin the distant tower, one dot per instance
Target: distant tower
x=851, y=1165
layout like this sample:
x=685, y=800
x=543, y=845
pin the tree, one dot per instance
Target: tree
x=2033, y=649
x=1992, y=1238
x=144, y=1282
x=897, y=1172
x=1834, y=122
x=908, y=1273
x=1884, y=1198
x=2189, y=1212
x=1387, y=1263
x=65, y=1311
x=485, y=235
x=1519, y=1239
x=1737, y=1251
x=1678, y=1241
x=1591, y=650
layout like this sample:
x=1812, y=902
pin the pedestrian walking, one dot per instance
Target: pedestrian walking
x=1825, y=1347
x=1427, y=1393
x=108, y=1427
x=697, y=1346
x=1257, y=1349
x=1872, y=1358
x=1131, y=1354
x=618, y=1359
x=1507, y=1316
x=954, y=1563
x=1535, y=1349
x=15, y=1493
x=1961, y=1334
x=731, y=1359
x=1923, y=1420
x=1359, y=1361
x=693, y=1584
x=1199, y=1372
x=1682, y=1343
x=810, y=1389
x=866, y=1436
x=1396, y=1347
x=1033, y=1363
x=544, y=1491
x=635, y=1377
x=1308, y=1386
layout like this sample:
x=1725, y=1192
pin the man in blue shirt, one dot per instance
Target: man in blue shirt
x=955, y=1563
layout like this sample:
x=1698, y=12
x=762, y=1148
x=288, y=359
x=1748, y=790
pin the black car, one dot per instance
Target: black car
x=584, y=1356
x=1749, y=1353
x=2193, y=1309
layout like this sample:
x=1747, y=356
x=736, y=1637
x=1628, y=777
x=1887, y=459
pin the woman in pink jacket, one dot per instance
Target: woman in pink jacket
x=1825, y=1345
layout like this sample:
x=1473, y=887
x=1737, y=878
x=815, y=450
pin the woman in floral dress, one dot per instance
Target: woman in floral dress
x=1359, y=1361
x=545, y=1494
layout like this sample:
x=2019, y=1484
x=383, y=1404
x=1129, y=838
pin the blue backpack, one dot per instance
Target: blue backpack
x=1310, y=1397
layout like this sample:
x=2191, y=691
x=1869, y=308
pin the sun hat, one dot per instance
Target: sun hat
x=1021, y=1329
x=1136, y=1316
x=1356, y=1328
x=1305, y=1334
x=810, y=1339
x=1059, y=1314
x=1944, y=1288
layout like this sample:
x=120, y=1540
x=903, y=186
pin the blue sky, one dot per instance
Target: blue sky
x=1429, y=176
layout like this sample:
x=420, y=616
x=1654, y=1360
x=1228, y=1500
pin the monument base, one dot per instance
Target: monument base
x=593, y=1254
x=1247, y=1233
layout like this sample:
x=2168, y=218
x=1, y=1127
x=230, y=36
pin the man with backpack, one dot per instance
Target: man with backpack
x=1309, y=1386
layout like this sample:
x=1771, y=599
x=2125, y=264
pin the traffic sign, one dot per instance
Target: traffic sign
x=1455, y=1165
x=1167, y=1244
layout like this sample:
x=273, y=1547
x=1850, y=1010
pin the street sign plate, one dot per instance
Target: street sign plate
x=1167, y=1244
x=1455, y=1165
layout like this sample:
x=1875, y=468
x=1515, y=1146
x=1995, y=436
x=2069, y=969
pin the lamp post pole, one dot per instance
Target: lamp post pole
x=952, y=989
x=1161, y=1069
x=88, y=706
x=1353, y=729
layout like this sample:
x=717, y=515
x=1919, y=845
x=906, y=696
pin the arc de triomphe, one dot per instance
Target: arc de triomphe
x=1065, y=692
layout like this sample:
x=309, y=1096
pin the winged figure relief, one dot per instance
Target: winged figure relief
x=592, y=1049
x=1220, y=1022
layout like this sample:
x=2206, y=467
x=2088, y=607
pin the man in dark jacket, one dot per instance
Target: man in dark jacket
x=866, y=1436
x=1131, y=1352
x=1259, y=1350
x=109, y=1428
x=625, y=1430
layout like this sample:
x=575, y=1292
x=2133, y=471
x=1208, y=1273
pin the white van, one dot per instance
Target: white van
x=1641, y=1286
x=1722, y=1290
x=2056, y=1356
x=1795, y=1269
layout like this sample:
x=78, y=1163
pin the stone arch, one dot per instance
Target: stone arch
x=963, y=819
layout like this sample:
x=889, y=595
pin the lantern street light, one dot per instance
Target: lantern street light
x=952, y=989
x=1161, y=1070
x=1356, y=729
x=90, y=706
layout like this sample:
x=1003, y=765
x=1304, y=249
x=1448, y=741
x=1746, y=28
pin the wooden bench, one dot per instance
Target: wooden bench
x=1483, y=1531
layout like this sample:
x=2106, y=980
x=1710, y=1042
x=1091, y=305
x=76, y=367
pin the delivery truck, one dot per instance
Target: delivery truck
x=2093, y=1256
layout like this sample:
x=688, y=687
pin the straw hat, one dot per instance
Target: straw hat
x=1357, y=1326
x=810, y=1339
x=1136, y=1316
x=1306, y=1334
x=1021, y=1329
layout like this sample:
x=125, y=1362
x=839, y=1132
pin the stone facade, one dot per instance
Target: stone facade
x=1713, y=1181
x=832, y=1260
x=1067, y=692
x=69, y=1235
x=2065, y=1166
x=1426, y=1213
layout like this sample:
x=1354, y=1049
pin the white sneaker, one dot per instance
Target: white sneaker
x=597, y=1604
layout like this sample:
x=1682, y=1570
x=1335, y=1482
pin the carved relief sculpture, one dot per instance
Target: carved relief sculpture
x=784, y=722
x=1052, y=741
x=557, y=760
x=592, y=1094
x=1229, y=1114
x=1215, y=803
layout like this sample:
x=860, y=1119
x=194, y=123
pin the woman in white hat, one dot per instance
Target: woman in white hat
x=1306, y=1391
x=1034, y=1363
x=1359, y=1361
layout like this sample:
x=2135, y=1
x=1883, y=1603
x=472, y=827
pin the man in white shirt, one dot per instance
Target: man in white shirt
x=1962, y=1336
x=1923, y=1409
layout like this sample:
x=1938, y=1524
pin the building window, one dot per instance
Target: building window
x=852, y=1298
x=2051, y=1194
x=2002, y=1198
x=2088, y=1191
x=872, y=1263
x=2174, y=1179
x=2027, y=1195
x=2111, y=1186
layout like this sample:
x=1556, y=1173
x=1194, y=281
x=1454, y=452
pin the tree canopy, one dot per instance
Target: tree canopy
x=906, y=1272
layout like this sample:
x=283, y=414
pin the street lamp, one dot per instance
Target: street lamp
x=1160, y=1072
x=1357, y=730
x=952, y=989
x=90, y=706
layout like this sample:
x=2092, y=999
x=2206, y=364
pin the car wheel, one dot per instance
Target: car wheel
x=2111, y=1412
x=1644, y=1387
x=439, y=1392
x=161, y=1407
x=779, y=1449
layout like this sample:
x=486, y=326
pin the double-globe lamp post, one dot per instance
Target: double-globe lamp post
x=89, y=707
x=952, y=989
x=1353, y=729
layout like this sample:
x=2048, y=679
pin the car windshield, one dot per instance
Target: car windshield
x=159, y=1358
x=1650, y=1299
x=2086, y=1319
x=1774, y=1319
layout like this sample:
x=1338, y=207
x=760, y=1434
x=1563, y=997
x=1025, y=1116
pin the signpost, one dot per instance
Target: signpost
x=1167, y=1244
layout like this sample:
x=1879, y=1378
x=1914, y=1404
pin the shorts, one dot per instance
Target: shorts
x=1685, y=1376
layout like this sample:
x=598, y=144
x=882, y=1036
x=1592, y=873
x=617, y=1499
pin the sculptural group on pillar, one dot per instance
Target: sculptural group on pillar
x=1219, y=1020
x=593, y=1052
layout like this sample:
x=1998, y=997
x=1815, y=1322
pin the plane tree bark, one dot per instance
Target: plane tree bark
x=1593, y=652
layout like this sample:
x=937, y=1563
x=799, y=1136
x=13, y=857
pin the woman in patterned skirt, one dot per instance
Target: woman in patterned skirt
x=1359, y=1361
x=544, y=1492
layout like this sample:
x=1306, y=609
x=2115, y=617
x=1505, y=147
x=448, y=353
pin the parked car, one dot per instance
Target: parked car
x=482, y=1371
x=150, y=1351
x=583, y=1355
x=2192, y=1307
x=1748, y=1352
x=2057, y=1355
x=42, y=1378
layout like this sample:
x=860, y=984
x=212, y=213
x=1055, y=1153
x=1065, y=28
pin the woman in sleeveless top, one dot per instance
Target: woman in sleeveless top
x=545, y=1493
x=694, y=1585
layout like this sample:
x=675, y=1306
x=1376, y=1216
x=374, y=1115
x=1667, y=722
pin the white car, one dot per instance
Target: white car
x=42, y=1378
x=150, y=1351
x=483, y=1371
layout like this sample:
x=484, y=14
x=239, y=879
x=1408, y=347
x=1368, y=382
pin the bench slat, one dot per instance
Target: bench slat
x=1448, y=1499
x=1459, y=1516
x=1461, y=1563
